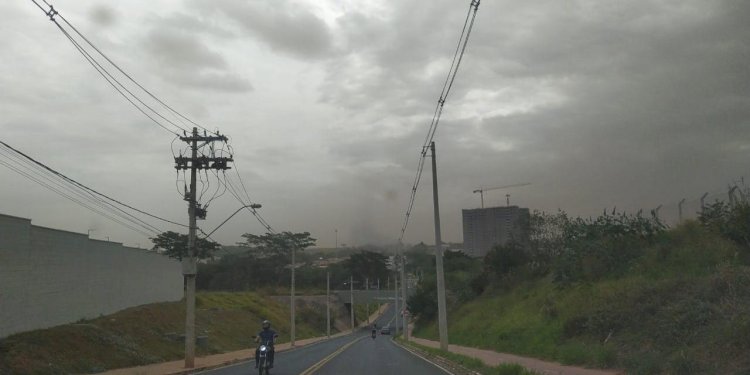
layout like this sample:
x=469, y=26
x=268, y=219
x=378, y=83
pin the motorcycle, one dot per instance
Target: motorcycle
x=263, y=360
x=264, y=354
x=374, y=332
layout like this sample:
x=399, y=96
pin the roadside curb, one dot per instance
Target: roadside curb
x=444, y=364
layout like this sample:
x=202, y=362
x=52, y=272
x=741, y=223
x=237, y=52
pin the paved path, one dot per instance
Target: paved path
x=492, y=358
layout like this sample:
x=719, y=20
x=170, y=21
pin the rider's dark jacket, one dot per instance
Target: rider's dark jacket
x=267, y=336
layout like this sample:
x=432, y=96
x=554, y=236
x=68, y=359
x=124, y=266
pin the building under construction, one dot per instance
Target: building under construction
x=485, y=228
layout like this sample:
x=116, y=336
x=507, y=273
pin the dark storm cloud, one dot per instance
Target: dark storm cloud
x=282, y=26
x=186, y=60
x=598, y=104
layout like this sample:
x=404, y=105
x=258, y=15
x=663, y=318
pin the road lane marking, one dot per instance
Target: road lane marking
x=325, y=360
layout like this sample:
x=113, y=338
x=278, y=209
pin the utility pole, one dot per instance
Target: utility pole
x=404, y=321
x=442, y=313
x=189, y=266
x=379, y=294
x=328, y=304
x=395, y=310
x=351, y=299
x=292, y=326
x=367, y=305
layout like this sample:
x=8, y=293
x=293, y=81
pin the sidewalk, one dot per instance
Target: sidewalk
x=218, y=360
x=492, y=358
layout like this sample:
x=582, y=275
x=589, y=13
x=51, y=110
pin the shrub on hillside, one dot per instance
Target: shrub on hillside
x=604, y=246
x=730, y=220
x=423, y=303
x=502, y=260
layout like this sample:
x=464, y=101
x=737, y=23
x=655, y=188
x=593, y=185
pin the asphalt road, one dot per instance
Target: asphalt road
x=350, y=354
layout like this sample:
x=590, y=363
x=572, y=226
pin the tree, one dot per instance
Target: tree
x=269, y=255
x=273, y=245
x=175, y=245
x=367, y=264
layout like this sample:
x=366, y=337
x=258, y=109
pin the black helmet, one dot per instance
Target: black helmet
x=266, y=324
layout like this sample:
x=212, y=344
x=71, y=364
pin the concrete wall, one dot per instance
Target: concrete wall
x=50, y=277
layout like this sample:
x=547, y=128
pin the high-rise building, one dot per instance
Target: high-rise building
x=485, y=228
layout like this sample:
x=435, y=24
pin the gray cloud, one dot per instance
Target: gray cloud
x=188, y=61
x=281, y=25
x=597, y=104
x=182, y=50
x=103, y=15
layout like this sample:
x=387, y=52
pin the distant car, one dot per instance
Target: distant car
x=385, y=331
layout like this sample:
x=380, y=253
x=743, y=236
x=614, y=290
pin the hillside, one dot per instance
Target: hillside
x=151, y=333
x=680, y=304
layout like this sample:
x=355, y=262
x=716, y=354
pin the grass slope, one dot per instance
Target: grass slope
x=148, y=334
x=683, y=308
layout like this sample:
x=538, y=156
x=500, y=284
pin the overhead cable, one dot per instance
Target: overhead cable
x=447, y=85
x=113, y=81
x=82, y=186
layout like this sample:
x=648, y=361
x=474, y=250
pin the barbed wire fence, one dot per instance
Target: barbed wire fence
x=690, y=207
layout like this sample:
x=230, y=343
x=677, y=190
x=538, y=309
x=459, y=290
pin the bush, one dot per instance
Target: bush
x=732, y=221
x=603, y=247
x=502, y=260
x=423, y=303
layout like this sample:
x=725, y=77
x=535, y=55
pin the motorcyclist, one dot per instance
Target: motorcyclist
x=265, y=336
x=374, y=329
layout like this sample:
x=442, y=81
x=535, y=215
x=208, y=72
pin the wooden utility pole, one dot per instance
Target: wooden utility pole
x=442, y=313
x=328, y=304
x=189, y=266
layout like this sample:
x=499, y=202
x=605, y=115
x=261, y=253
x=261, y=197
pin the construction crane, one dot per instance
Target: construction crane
x=507, y=196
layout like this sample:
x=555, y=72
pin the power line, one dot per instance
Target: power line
x=447, y=85
x=83, y=194
x=114, y=82
x=77, y=184
x=73, y=199
x=227, y=183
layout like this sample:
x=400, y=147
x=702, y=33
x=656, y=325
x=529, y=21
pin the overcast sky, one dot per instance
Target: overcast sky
x=595, y=103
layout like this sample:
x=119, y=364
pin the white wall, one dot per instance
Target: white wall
x=50, y=277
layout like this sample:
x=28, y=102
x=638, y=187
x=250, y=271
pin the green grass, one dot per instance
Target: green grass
x=684, y=307
x=145, y=334
x=361, y=312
